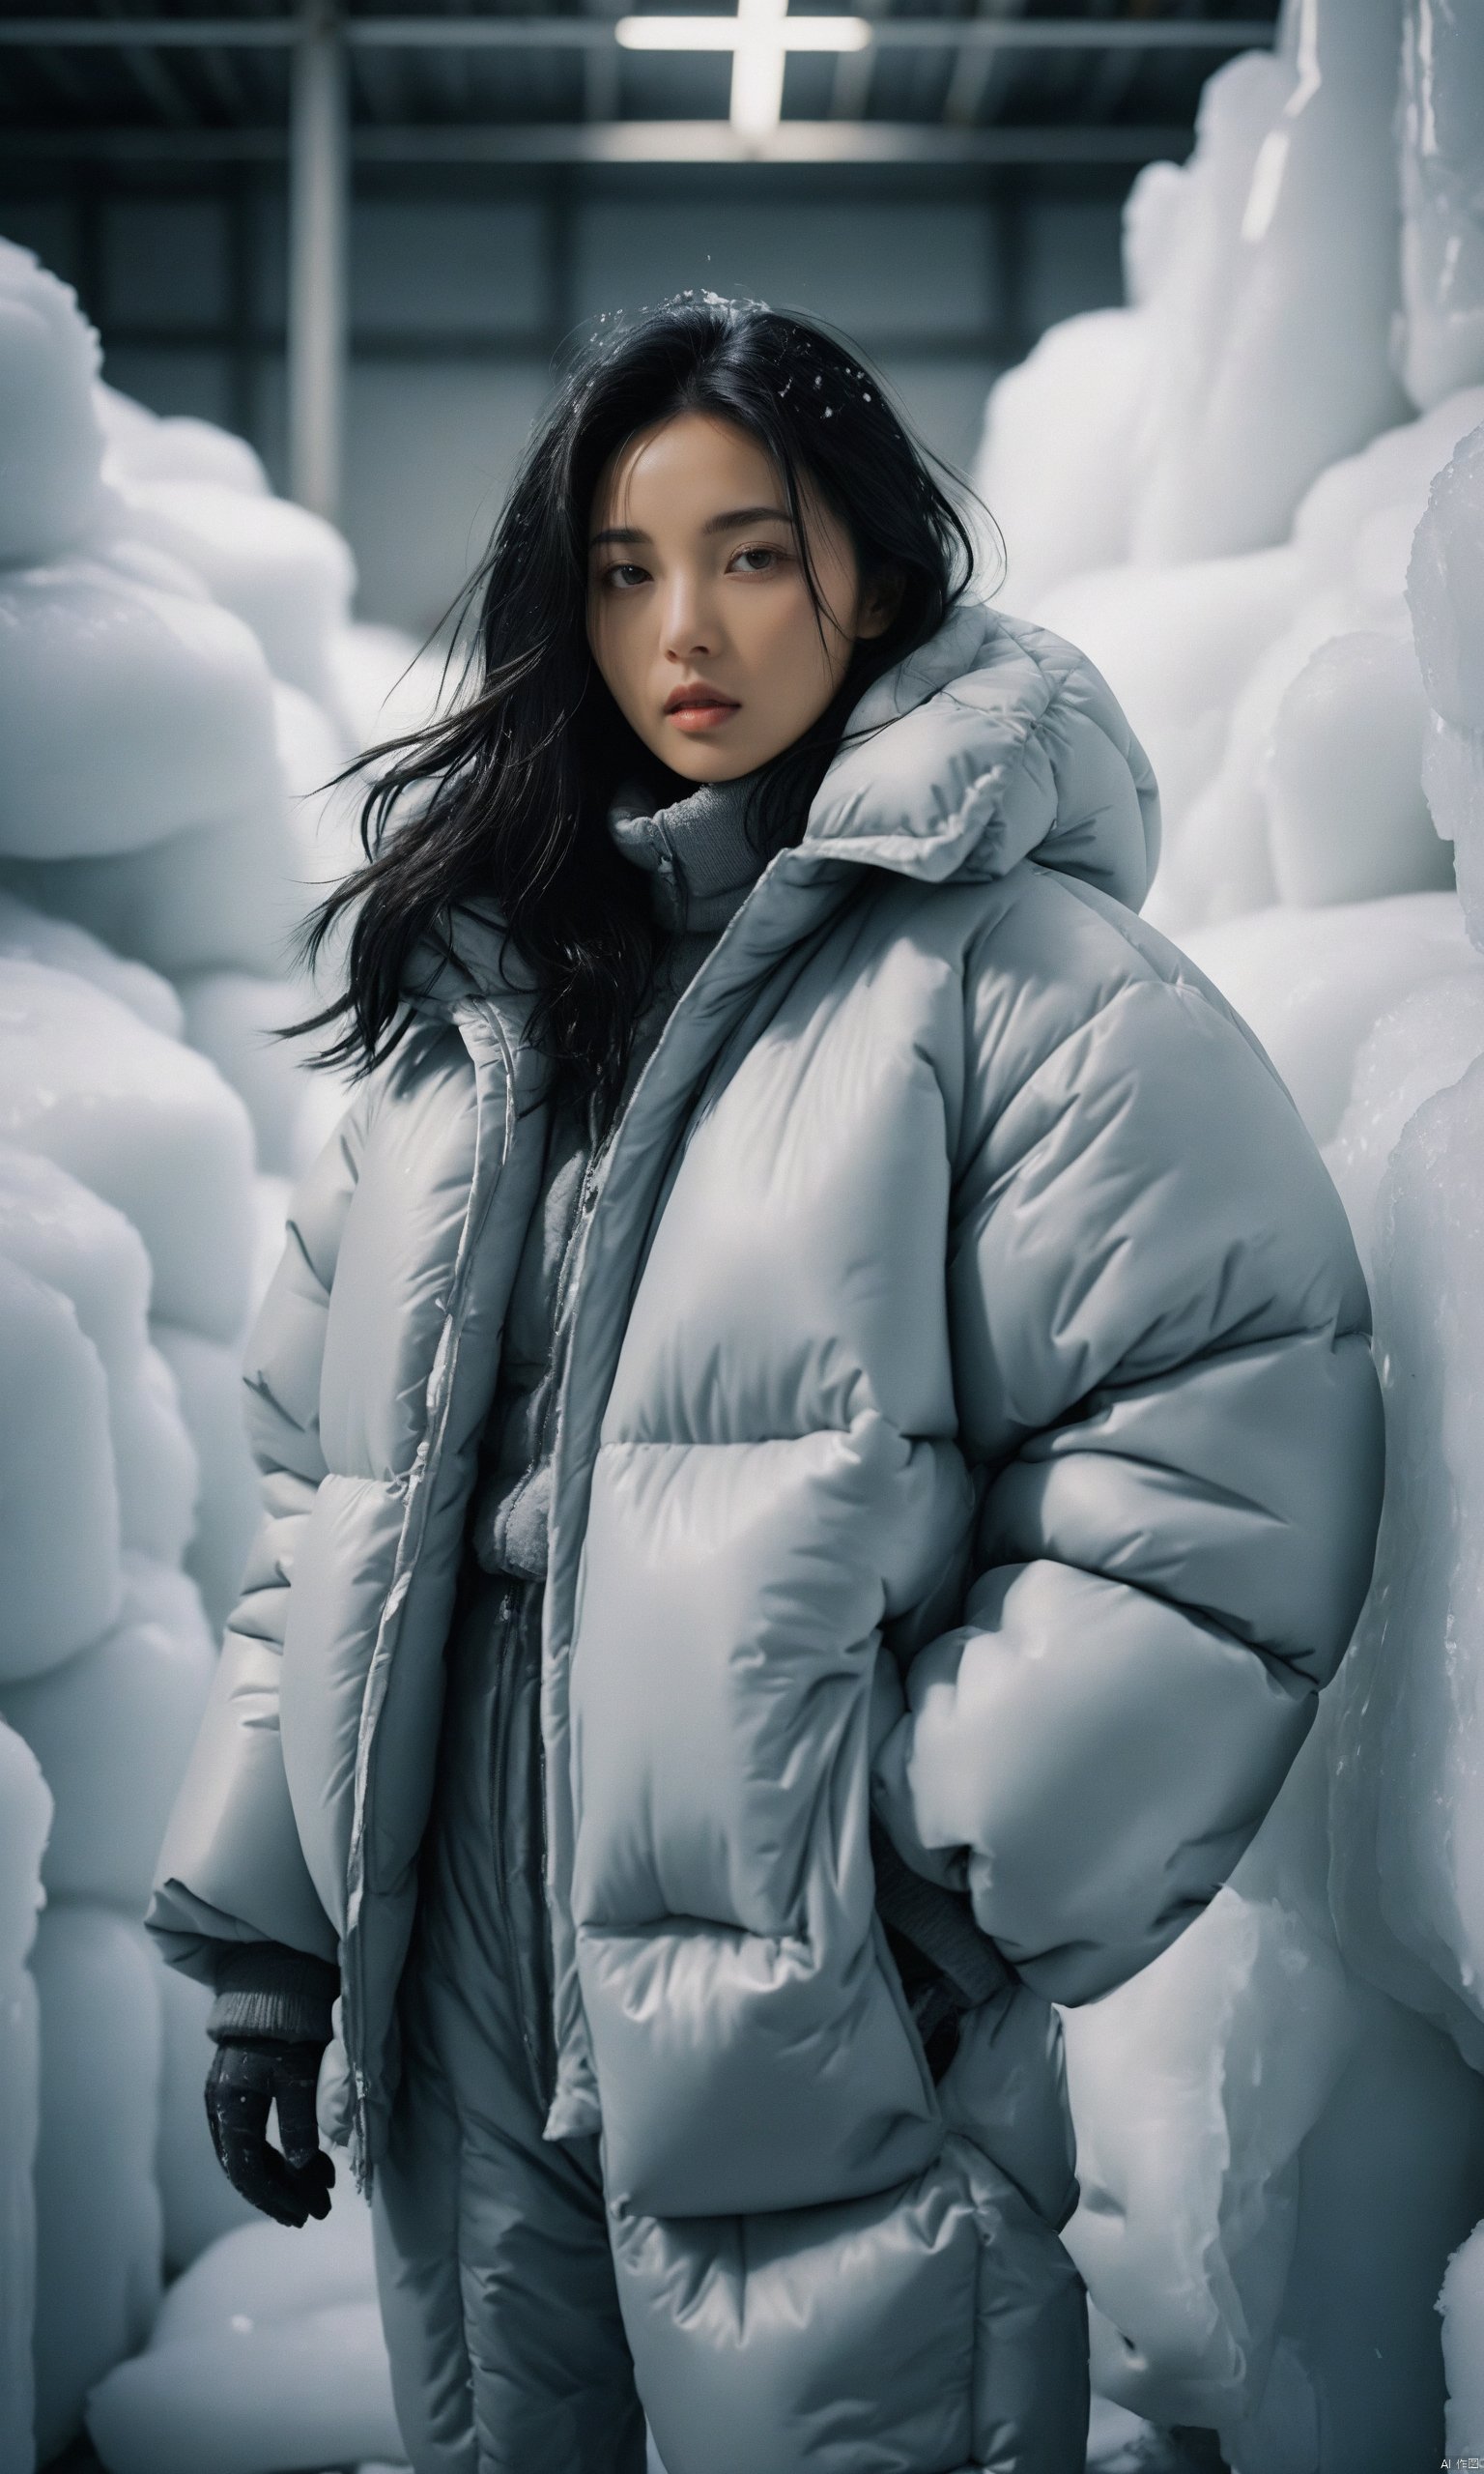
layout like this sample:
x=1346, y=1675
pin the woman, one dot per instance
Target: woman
x=818, y=1443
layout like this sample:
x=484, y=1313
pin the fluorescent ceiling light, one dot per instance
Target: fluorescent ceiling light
x=758, y=36
x=720, y=34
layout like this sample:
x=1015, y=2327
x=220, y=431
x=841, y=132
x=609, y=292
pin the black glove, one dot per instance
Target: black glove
x=246, y=2078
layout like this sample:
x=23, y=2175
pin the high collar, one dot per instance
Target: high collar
x=995, y=741
x=697, y=852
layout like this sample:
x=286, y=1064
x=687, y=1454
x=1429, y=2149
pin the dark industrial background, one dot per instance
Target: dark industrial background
x=360, y=238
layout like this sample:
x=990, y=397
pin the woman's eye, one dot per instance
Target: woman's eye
x=623, y=575
x=763, y=551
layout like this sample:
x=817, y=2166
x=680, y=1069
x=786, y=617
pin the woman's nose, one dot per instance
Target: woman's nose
x=690, y=632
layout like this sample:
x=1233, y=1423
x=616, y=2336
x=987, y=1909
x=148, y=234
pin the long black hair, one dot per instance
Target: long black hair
x=506, y=795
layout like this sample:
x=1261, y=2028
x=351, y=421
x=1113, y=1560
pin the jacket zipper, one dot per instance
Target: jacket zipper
x=513, y=1617
x=544, y=2081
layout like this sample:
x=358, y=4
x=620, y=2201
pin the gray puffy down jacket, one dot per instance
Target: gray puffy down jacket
x=969, y=1414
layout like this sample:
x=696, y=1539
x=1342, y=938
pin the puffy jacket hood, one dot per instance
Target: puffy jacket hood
x=993, y=743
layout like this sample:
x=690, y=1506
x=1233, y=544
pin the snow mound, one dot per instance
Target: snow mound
x=144, y=1122
x=1414, y=1049
x=1461, y=2303
x=163, y=816
x=140, y=447
x=1385, y=486
x=312, y=750
x=307, y=2392
x=1189, y=2119
x=50, y=488
x=1407, y=1876
x=1276, y=289
x=268, y=2354
x=1204, y=654
x=128, y=710
x=34, y=935
x=208, y=1385
x=60, y=1581
x=66, y=1235
x=98, y=2266
x=1385, y=2186
x=1312, y=983
x=1177, y=642
x=1445, y=593
x=1291, y=608
x=1263, y=279
x=230, y=1016
x=324, y=815
x=112, y=1729
x=1445, y=587
x=229, y=898
x=383, y=684
x=1063, y=516
x=1441, y=148
x=1347, y=821
x=25, y=1817
x=288, y=574
x=1276, y=2161
x=267, y=2272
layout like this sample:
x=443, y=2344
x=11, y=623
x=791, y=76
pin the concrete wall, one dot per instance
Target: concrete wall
x=459, y=302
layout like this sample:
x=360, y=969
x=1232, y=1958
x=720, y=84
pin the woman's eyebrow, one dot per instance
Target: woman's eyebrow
x=726, y=523
x=736, y=515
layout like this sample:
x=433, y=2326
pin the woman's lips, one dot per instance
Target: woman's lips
x=705, y=714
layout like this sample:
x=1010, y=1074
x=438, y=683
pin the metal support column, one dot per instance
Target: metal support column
x=319, y=180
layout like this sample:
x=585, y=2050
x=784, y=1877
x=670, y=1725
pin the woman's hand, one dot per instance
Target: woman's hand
x=247, y=2077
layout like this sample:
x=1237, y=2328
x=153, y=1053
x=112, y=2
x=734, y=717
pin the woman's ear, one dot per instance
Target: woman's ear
x=880, y=601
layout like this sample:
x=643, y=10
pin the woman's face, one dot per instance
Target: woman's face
x=699, y=612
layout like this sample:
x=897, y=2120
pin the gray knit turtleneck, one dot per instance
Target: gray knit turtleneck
x=697, y=851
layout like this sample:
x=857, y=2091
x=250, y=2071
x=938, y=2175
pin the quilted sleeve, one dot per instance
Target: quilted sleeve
x=1161, y=1351
x=230, y=1868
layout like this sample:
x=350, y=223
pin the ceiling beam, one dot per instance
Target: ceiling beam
x=624, y=141
x=531, y=33
x=189, y=34
x=851, y=85
x=977, y=76
x=476, y=346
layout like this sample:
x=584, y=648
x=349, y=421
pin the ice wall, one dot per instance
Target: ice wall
x=1439, y=338
x=25, y=1817
x=1282, y=2122
x=1278, y=278
x=179, y=678
x=48, y=419
x=1264, y=280
x=1408, y=1863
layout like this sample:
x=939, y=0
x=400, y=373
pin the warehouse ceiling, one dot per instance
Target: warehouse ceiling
x=882, y=81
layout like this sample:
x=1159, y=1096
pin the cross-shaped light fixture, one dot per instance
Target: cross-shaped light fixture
x=757, y=38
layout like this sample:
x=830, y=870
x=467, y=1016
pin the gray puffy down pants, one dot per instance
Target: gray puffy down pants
x=496, y=2283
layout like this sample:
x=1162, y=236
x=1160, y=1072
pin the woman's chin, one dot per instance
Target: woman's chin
x=706, y=763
